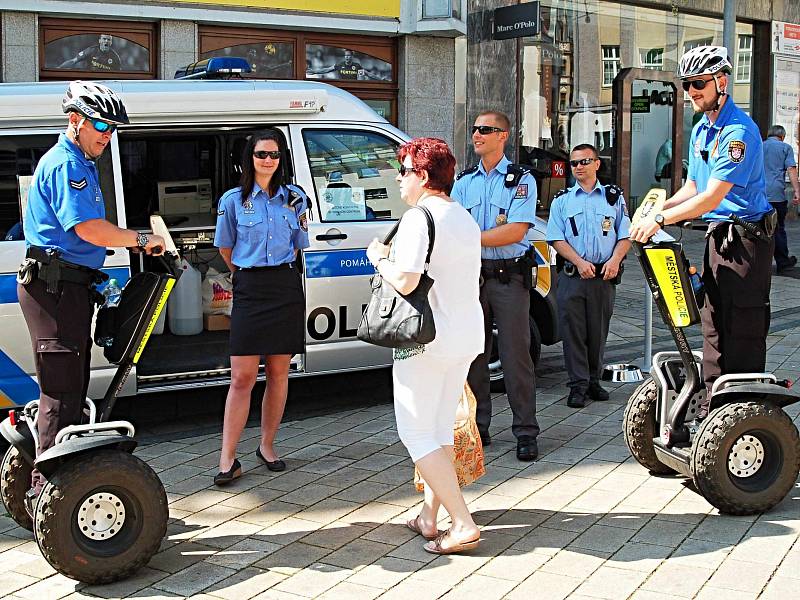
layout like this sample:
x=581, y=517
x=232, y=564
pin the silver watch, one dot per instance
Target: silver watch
x=142, y=239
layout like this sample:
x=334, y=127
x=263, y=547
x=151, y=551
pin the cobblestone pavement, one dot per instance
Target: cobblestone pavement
x=584, y=521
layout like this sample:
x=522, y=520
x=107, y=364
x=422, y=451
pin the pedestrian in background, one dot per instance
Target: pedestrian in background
x=588, y=227
x=501, y=197
x=260, y=227
x=428, y=380
x=778, y=163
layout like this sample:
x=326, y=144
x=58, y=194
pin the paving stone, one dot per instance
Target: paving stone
x=664, y=533
x=351, y=591
x=243, y=553
x=194, y=579
x=10, y=582
x=357, y=554
x=639, y=557
x=780, y=588
x=680, y=580
x=602, y=538
x=288, y=530
x=700, y=553
x=328, y=510
x=143, y=578
x=573, y=563
x=545, y=540
x=513, y=565
x=725, y=530
x=309, y=494
x=419, y=589
x=714, y=593
x=385, y=572
x=480, y=586
x=335, y=535
x=271, y=512
x=612, y=583
x=245, y=584
x=741, y=576
x=292, y=558
x=544, y=586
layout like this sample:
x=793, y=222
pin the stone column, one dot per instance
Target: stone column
x=20, y=46
x=178, y=46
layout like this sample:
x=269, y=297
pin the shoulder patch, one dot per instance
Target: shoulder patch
x=472, y=169
x=304, y=220
x=736, y=151
x=613, y=192
x=522, y=191
x=78, y=185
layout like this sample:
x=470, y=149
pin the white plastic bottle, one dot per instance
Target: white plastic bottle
x=185, y=306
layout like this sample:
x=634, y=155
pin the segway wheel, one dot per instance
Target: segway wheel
x=745, y=457
x=15, y=481
x=101, y=517
x=639, y=427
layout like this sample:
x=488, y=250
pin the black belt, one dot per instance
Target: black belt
x=499, y=267
x=570, y=270
x=280, y=267
x=53, y=270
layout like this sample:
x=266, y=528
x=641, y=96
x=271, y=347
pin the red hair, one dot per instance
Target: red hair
x=434, y=156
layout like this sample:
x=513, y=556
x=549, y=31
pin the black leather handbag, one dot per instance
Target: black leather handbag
x=394, y=320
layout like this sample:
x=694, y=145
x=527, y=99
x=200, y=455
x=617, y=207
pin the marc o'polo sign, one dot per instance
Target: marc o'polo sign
x=517, y=20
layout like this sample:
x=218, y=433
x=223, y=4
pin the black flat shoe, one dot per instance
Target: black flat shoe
x=233, y=473
x=577, y=398
x=597, y=393
x=274, y=465
x=486, y=439
x=527, y=448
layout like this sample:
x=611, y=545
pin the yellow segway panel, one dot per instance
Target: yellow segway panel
x=672, y=276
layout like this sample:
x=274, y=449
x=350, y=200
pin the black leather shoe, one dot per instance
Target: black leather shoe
x=597, y=393
x=527, y=448
x=272, y=465
x=576, y=399
x=31, y=497
x=486, y=439
x=224, y=478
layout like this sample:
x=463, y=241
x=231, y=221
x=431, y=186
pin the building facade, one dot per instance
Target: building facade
x=557, y=86
x=396, y=55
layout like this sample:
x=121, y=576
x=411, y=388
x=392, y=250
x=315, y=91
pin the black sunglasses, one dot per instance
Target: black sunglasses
x=582, y=161
x=486, y=129
x=273, y=154
x=404, y=169
x=102, y=126
x=697, y=84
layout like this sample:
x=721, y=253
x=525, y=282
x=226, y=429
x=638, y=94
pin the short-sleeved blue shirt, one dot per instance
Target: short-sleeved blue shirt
x=65, y=191
x=730, y=150
x=485, y=196
x=778, y=156
x=263, y=231
x=588, y=223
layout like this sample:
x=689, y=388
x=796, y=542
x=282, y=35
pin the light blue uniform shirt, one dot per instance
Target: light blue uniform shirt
x=264, y=231
x=598, y=226
x=485, y=196
x=734, y=155
x=65, y=191
x=778, y=156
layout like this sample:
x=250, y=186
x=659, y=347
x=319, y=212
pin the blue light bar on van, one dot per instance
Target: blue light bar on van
x=218, y=67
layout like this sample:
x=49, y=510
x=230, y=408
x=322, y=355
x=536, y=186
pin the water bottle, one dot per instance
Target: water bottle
x=112, y=295
x=697, y=286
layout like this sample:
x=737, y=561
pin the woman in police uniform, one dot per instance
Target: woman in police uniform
x=260, y=227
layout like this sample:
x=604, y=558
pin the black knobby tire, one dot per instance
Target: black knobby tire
x=639, y=427
x=102, y=474
x=774, y=471
x=15, y=481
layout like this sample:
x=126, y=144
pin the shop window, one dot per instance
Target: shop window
x=271, y=55
x=344, y=64
x=744, y=58
x=652, y=58
x=70, y=49
x=355, y=174
x=436, y=9
x=611, y=64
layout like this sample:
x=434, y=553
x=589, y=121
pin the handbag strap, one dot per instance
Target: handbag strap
x=431, y=233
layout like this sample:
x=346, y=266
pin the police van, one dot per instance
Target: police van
x=181, y=151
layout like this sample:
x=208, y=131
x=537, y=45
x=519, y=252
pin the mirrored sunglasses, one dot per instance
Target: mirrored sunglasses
x=262, y=154
x=102, y=126
x=582, y=161
x=697, y=84
x=486, y=129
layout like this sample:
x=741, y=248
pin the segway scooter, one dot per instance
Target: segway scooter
x=745, y=455
x=103, y=512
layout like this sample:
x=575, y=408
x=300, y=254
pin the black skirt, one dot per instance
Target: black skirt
x=268, y=314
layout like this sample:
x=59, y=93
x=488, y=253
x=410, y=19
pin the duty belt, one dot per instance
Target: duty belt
x=500, y=269
x=760, y=230
x=570, y=270
x=53, y=270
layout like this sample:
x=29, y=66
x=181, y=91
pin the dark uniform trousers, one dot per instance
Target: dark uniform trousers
x=508, y=307
x=585, y=307
x=736, y=313
x=60, y=329
x=782, y=258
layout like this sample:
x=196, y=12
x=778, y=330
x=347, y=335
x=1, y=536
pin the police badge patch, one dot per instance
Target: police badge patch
x=736, y=151
x=304, y=221
x=522, y=190
x=78, y=185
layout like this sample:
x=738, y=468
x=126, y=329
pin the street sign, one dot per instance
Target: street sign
x=517, y=20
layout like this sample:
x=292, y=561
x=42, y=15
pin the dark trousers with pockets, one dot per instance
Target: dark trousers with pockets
x=736, y=313
x=781, y=242
x=508, y=307
x=585, y=307
x=60, y=329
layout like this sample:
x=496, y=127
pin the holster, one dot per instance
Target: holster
x=51, y=269
x=527, y=263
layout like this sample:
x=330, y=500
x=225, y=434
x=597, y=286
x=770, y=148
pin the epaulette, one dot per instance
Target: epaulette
x=514, y=173
x=472, y=169
x=560, y=193
x=295, y=197
x=613, y=193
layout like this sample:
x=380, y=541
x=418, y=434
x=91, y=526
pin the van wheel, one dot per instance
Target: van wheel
x=496, y=377
x=639, y=427
x=101, y=517
x=745, y=457
x=15, y=481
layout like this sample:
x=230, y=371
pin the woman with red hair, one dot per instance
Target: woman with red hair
x=429, y=379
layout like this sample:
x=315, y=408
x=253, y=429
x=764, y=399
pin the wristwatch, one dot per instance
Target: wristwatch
x=142, y=239
x=659, y=219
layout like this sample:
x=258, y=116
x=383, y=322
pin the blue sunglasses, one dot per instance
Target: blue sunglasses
x=102, y=126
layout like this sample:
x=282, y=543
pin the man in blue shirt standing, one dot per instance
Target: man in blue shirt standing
x=588, y=227
x=725, y=179
x=66, y=235
x=779, y=162
x=501, y=197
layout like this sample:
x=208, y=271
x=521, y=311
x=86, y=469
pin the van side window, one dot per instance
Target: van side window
x=354, y=174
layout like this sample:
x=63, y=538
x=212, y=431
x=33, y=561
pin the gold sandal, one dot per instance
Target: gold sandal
x=435, y=546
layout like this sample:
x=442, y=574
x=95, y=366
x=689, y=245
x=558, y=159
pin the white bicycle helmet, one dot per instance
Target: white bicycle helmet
x=704, y=60
x=94, y=101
